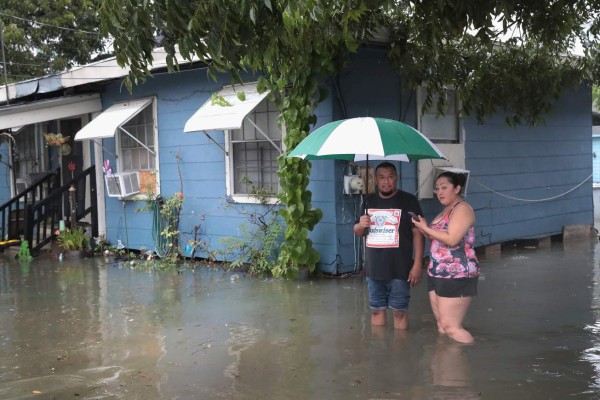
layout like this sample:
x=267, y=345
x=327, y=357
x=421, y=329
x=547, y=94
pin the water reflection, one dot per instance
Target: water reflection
x=67, y=332
x=592, y=354
x=98, y=330
x=451, y=371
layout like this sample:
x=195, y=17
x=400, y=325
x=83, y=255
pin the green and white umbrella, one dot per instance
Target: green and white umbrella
x=364, y=139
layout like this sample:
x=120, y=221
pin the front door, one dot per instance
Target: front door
x=71, y=162
x=26, y=158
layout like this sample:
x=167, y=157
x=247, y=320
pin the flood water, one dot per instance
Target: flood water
x=94, y=329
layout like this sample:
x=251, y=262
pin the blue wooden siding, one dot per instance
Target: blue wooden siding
x=536, y=167
x=202, y=171
x=202, y=163
x=4, y=172
x=526, y=163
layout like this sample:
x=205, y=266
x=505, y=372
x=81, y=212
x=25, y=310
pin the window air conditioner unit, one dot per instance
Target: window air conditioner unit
x=122, y=184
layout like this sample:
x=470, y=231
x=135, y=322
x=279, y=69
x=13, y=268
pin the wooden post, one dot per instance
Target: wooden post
x=73, y=205
x=28, y=235
x=94, y=204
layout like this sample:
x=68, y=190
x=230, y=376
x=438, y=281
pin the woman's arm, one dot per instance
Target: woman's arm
x=461, y=219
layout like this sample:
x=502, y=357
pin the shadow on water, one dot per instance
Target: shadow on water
x=91, y=329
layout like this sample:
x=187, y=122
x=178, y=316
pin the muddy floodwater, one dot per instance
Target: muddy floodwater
x=94, y=329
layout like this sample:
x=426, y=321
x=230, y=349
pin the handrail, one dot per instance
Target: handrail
x=42, y=216
x=11, y=213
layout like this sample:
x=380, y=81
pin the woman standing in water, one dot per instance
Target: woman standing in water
x=453, y=271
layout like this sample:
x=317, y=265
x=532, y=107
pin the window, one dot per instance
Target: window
x=137, y=142
x=253, y=151
x=596, y=158
x=137, y=150
x=25, y=155
x=442, y=128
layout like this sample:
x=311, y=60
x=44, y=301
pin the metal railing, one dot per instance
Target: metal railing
x=42, y=218
x=12, y=213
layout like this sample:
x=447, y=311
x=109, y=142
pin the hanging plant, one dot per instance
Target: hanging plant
x=56, y=139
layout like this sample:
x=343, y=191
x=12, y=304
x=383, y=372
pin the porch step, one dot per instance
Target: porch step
x=12, y=247
x=8, y=243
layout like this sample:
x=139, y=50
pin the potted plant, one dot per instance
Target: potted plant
x=73, y=242
x=55, y=139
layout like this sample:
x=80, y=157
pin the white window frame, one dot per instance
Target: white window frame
x=118, y=138
x=229, y=161
x=595, y=163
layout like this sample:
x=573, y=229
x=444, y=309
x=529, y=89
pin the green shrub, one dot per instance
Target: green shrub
x=73, y=239
x=24, y=254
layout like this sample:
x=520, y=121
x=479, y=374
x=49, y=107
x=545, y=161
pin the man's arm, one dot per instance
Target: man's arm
x=414, y=276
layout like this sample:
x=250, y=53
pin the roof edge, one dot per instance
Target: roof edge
x=98, y=71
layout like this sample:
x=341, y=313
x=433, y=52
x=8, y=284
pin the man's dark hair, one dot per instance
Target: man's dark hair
x=386, y=164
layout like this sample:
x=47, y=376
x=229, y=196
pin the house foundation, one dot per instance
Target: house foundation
x=578, y=232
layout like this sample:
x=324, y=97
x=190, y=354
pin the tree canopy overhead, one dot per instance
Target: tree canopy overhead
x=42, y=37
x=496, y=54
x=507, y=55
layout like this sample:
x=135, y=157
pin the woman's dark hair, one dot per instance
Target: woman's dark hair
x=455, y=179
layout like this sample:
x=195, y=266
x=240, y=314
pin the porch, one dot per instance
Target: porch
x=36, y=212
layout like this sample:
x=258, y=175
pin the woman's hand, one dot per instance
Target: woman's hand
x=419, y=222
x=422, y=225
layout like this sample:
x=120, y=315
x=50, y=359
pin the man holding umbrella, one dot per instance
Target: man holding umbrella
x=394, y=257
x=392, y=240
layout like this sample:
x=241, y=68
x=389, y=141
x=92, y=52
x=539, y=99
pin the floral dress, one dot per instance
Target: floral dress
x=459, y=261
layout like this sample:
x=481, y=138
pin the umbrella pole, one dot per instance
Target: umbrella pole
x=366, y=184
x=362, y=261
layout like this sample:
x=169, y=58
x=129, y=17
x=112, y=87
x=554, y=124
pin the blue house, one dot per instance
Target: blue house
x=524, y=182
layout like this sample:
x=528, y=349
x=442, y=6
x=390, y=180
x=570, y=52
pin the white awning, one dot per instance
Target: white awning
x=106, y=124
x=48, y=110
x=228, y=111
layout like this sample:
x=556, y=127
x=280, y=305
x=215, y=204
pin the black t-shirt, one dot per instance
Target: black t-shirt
x=392, y=262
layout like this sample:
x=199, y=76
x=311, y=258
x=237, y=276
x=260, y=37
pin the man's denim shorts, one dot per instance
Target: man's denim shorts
x=394, y=293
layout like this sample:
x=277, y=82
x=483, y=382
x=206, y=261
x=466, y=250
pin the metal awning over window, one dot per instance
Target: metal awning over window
x=48, y=110
x=226, y=110
x=106, y=124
